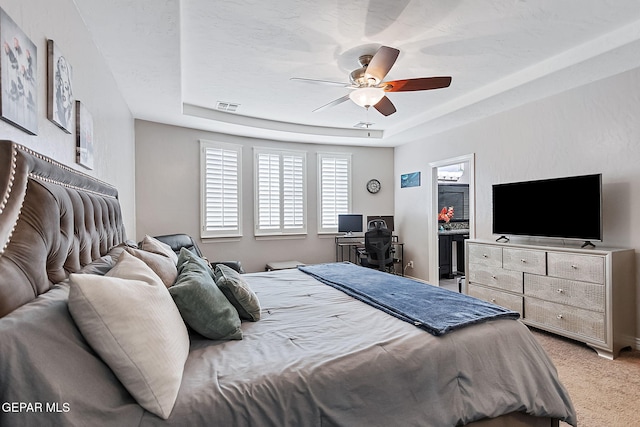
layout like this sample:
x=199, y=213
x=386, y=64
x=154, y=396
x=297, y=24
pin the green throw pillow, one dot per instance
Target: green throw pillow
x=201, y=303
x=238, y=292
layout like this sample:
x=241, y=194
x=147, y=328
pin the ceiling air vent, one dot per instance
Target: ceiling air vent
x=227, y=106
x=363, y=125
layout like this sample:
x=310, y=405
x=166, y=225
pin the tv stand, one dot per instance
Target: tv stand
x=502, y=239
x=588, y=243
x=584, y=294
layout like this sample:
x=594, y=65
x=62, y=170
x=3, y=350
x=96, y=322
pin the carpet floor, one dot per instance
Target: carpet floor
x=605, y=393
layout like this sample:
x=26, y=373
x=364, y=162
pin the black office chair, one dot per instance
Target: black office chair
x=376, y=223
x=378, y=248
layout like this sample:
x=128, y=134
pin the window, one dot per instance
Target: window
x=280, y=192
x=220, y=169
x=334, y=180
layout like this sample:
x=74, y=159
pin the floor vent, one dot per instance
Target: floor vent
x=227, y=106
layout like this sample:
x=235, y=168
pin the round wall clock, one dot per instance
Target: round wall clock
x=373, y=186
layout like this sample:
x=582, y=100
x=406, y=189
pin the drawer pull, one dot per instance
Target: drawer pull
x=523, y=260
x=485, y=256
x=493, y=300
x=559, y=316
x=560, y=290
x=575, y=267
x=493, y=276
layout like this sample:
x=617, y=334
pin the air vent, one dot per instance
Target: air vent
x=227, y=106
x=363, y=125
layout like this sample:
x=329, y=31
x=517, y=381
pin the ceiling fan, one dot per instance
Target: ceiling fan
x=368, y=85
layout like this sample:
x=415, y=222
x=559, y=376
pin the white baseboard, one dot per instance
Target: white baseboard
x=637, y=347
x=417, y=279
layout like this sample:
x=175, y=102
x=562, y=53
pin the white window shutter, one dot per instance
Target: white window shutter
x=335, y=189
x=268, y=191
x=280, y=192
x=220, y=200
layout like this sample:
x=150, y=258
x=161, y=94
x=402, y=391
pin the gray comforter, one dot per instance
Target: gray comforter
x=317, y=357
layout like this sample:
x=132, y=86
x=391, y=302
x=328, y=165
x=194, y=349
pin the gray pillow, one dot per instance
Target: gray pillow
x=238, y=292
x=99, y=266
x=202, y=304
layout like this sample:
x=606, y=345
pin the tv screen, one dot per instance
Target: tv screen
x=568, y=208
x=350, y=223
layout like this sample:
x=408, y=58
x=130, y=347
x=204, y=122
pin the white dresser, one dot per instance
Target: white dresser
x=584, y=294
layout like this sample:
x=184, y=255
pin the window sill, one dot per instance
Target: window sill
x=281, y=236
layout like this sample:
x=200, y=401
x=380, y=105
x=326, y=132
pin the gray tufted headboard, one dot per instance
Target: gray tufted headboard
x=53, y=221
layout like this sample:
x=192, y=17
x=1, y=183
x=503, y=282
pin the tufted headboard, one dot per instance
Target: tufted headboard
x=53, y=221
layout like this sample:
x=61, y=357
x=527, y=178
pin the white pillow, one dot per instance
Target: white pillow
x=131, y=321
x=151, y=244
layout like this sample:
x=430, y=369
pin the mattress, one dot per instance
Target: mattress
x=317, y=357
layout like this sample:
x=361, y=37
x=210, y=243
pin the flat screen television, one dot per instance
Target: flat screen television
x=350, y=223
x=566, y=208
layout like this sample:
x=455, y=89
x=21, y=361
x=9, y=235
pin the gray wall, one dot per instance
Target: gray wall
x=591, y=129
x=168, y=191
x=93, y=84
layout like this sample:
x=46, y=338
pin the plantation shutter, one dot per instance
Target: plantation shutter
x=335, y=189
x=220, y=166
x=280, y=192
x=268, y=191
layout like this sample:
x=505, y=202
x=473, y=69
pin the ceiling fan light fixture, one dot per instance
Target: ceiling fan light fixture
x=367, y=96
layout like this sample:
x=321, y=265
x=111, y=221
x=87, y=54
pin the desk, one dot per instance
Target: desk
x=352, y=243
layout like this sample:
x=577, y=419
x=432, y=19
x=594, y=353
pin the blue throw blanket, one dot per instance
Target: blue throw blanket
x=434, y=309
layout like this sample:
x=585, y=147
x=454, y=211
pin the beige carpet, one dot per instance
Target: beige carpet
x=605, y=393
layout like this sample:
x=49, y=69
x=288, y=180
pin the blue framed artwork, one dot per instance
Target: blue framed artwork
x=410, y=180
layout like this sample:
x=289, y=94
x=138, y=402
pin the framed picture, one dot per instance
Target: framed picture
x=59, y=88
x=18, y=77
x=410, y=180
x=84, y=136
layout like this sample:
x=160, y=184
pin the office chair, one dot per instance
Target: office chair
x=377, y=245
x=376, y=223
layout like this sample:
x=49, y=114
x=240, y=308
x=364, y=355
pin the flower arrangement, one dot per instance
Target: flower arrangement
x=446, y=214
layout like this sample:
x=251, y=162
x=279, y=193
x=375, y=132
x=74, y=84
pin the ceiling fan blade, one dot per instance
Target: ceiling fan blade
x=385, y=107
x=324, y=82
x=332, y=103
x=424, y=83
x=382, y=62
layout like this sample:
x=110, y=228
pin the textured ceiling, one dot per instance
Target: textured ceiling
x=174, y=60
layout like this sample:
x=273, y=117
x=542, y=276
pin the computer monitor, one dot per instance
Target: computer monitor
x=350, y=223
x=388, y=219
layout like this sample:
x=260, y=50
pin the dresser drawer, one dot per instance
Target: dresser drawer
x=486, y=255
x=496, y=277
x=589, y=296
x=526, y=260
x=589, y=268
x=504, y=299
x=571, y=319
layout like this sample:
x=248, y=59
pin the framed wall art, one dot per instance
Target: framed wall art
x=84, y=136
x=410, y=180
x=59, y=88
x=18, y=76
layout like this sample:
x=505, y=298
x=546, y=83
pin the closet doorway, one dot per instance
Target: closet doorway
x=445, y=174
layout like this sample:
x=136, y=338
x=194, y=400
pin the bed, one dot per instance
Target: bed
x=316, y=357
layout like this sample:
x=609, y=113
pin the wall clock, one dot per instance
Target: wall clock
x=373, y=186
